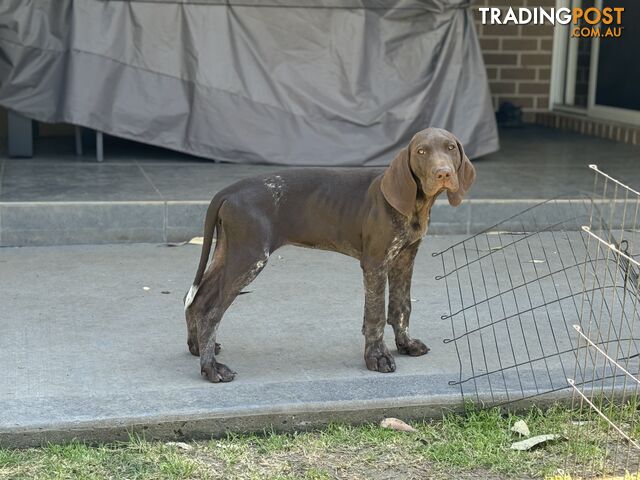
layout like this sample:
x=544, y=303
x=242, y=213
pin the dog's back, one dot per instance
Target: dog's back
x=310, y=207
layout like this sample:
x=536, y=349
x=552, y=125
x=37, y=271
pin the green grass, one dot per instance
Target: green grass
x=459, y=446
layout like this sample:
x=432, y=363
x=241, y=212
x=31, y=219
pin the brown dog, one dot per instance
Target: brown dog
x=375, y=215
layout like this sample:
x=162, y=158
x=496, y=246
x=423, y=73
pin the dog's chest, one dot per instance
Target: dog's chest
x=405, y=237
x=418, y=228
x=409, y=233
x=419, y=223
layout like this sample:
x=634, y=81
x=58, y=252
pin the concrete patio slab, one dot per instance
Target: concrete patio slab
x=87, y=352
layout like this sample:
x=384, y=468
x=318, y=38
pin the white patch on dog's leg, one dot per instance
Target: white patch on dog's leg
x=190, y=296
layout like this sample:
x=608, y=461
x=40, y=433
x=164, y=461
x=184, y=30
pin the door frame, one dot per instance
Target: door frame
x=563, y=71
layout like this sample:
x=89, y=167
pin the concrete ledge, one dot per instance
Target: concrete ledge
x=279, y=417
x=60, y=223
x=206, y=425
x=73, y=223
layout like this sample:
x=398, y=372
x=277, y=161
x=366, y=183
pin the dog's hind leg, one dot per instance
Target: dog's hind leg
x=239, y=258
x=192, y=332
x=238, y=270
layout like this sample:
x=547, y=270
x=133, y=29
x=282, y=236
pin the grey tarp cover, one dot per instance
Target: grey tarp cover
x=279, y=81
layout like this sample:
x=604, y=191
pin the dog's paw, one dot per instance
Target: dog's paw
x=379, y=359
x=218, y=372
x=413, y=347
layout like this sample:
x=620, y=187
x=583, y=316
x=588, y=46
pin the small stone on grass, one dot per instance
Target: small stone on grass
x=180, y=445
x=521, y=428
x=396, y=424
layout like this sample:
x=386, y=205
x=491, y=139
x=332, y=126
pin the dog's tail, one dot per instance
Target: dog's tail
x=210, y=222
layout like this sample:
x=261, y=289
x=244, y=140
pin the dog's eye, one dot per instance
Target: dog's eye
x=451, y=147
x=421, y=151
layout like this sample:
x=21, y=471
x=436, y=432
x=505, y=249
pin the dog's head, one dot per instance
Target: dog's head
x=433, y=161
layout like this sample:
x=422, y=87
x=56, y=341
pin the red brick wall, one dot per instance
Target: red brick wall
x=518, y=58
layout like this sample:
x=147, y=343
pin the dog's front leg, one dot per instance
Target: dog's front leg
x=376, y=354
x=400, y=273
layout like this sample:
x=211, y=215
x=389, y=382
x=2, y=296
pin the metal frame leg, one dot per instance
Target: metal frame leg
x=78, y=135
x=20, y=135
x=99, y=147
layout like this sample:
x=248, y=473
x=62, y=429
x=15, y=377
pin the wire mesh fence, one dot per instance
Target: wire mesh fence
x=545, y=305
x=607, y=358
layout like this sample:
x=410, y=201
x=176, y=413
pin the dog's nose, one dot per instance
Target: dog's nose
x=443, y=173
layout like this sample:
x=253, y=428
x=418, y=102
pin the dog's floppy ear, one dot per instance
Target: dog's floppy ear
x=398, y=185
x=466, y=177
